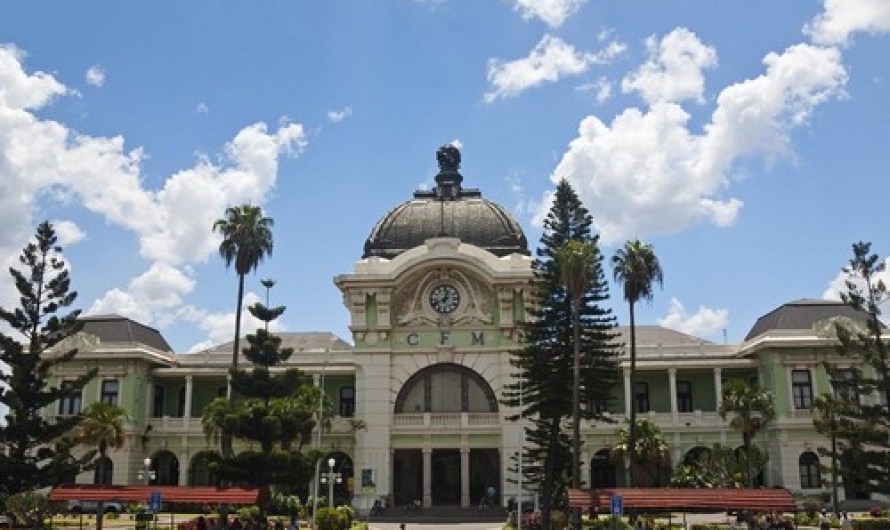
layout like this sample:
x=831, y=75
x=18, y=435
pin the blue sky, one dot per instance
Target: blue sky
x=745, y=139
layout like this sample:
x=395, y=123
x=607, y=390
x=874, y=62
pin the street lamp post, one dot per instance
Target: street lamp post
x=330, y=477
x=146, y=474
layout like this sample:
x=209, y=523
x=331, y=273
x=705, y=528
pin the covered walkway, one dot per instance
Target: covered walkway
x=169, y=494
x=685, y=499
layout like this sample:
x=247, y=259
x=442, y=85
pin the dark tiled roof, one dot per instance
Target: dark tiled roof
x=299, y=341
x=116, y=328
x=802, y=315
x=659, y=336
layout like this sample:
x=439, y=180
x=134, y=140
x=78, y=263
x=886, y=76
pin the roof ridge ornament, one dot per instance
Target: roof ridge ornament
x=449, y=179
x=448, y=157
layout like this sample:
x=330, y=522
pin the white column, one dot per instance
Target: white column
x=628, y=393
x=187, y=414
x=672, y=384
x=718, y=386
x=427, y=478
x=464, y=477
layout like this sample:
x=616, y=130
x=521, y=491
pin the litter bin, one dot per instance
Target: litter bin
x=143, y=519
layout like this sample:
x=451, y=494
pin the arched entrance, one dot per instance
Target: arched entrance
x=166, y=468
x=602, y=470
x=459, y=475
x=344, y=489
x=199, y=470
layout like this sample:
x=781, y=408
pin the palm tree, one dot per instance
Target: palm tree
x=247, y=239
x=102, y=427
x=218, y=423
x=637, y=268
x=751, y=408
x=574, y=261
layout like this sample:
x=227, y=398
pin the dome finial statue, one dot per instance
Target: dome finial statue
x=448, y=157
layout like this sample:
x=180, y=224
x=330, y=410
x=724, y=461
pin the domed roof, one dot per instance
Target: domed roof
x=803, y=315
x=448, y=210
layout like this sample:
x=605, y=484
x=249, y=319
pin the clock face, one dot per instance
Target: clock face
x=444, y=298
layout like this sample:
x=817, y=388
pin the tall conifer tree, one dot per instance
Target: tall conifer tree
x=856, y=415
x=545, y=362
x=273, y=409
x=38, y=449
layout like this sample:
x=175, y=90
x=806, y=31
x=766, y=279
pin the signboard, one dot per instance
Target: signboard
x=154, y=502
x=617, y=505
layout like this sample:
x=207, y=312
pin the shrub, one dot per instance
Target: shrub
x=811, y=506
x=607, y=523
x=331, y=519
x=31, y=509
x=871, y=524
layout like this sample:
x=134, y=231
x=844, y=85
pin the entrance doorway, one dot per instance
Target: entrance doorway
x=407, y=476
x=445, y=483
x=484, y=473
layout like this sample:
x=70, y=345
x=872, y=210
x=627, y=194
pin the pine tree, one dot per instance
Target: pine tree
x=38, y=449
x=276, y=411
x=545, y=362
x=855, y=415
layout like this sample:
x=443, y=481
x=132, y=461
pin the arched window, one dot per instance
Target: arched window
x=199, y=471
x=602, y=470
x=446, y=387
x=166, y=468
x=695, y=454
x=810, y=476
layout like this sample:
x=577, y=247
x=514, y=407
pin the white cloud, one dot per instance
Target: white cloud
x=202, y=108
x=150, y=297
x=220, y=326
x=456, y=143
x=838, y=284
x=673, y=71
x=552, y=12
x=841, y=18
x=550, y=60
x=705, y=322
x=22, y=91
x=648, y=173
x=602, y=89
x=95, y=76
x=43, y=158
x=337, y=116
x=68, y=233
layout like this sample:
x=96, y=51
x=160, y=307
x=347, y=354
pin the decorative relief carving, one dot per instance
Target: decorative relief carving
x=411, y=303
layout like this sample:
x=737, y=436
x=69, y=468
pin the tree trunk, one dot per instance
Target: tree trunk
x=237, y=329
x=632, y=430
x=748, y=459
x=576, y=410
x=549, y=475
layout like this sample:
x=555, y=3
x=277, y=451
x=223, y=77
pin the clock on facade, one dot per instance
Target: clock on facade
x=444, y=298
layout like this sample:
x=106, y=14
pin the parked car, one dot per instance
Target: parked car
x=92, y=506
x=6, y=522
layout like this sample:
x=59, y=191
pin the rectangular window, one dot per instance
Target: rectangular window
x=847, y=385
x=802, y=389
x=222, y=391
x=641, y=396
x=810, y=477
x=157, y=409
x=684, y=396
x=69, y=403
x=110, y=391
x=347, y=401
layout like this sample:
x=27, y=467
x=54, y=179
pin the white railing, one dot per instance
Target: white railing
x=445, y=420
